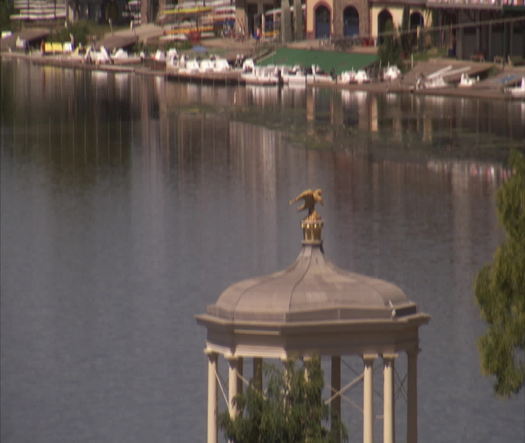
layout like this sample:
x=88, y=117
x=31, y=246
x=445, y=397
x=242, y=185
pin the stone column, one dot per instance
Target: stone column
x=286, y=31
x=233, y=384
x=412, y=396
x=144, y=12
x=335, y=405
x=388, y=398
x=298, y=20
x=368, y=398
x=212, y=396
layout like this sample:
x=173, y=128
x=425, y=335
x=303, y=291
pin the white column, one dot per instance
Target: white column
x=412, y=396
x=212, y=396
x=233, y=385
x=388, y=398
x=239, y=375
x=368, y=398
x=335, y=405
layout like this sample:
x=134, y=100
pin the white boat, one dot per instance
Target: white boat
x=262, y=75
x=295, y=73
x=434, y=83
x=347, y=77
x=221, y=65
x=189, y=66
x=320, y=76
x=466, y=81
x=159, y=56
x=517, y=91
x=437, y=79
x=121, y=57
x=98, y=57
x=391, y=73
x=362, y=77
x=299, y=79
x=206, y=65
x=248, y=65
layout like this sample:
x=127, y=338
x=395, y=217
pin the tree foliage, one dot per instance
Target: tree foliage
x=390, y=50
x=6, y=9
x=289, y=410
x=79, y=30
x=500, y=290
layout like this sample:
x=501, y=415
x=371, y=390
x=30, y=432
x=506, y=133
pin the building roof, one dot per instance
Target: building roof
x=326, y=60
x=311, y=289
x=32, y=34
x=118, y=41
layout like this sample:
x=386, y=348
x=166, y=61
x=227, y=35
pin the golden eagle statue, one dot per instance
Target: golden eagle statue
x=311, y=198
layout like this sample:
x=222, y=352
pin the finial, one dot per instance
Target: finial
x=312, y=224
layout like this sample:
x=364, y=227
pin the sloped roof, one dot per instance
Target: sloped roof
x=326, y=60
x=33, y=34
x=118, y=41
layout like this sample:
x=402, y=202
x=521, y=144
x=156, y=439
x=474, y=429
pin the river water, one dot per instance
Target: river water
x=129, y=203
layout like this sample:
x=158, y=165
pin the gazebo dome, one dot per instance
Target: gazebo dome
x=314, y=289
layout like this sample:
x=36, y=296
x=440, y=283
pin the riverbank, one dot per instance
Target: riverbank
x=495, y=78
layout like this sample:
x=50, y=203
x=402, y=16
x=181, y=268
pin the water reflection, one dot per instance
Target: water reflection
x=129, y=203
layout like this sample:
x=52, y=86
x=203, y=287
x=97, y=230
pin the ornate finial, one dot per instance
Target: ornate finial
x=310, y=199
x=312, y=224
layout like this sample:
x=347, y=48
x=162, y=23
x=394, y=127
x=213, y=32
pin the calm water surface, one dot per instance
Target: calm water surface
x=129, y=203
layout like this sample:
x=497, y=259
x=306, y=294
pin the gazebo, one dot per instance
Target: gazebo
x=316, y=308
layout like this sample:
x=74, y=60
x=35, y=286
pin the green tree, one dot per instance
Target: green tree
x=389, y=51
x=500, y=290
x=79, y=30
x=289, y=410
x=6, y=9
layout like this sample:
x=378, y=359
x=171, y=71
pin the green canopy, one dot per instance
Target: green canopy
x=326, y=60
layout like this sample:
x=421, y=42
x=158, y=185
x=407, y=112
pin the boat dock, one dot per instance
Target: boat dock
x=213, y=78
x=489, y=87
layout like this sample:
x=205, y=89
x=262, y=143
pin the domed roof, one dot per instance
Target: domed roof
x=312, y=288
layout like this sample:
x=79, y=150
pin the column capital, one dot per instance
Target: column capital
x=389, y=356
x=232, y=358
x=369, y=358
x=210, y=353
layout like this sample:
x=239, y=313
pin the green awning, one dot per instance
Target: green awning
x=326, y=60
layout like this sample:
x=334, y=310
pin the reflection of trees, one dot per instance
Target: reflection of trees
x=72, y=121
x=86, y=119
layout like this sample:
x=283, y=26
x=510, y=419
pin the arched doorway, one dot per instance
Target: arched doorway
x=416, y=19
x=385, y=23
x=350, y=22
x=322, y=22
x=111, y=11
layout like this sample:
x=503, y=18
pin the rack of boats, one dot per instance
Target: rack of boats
x=201, y=67
x=271, y=75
